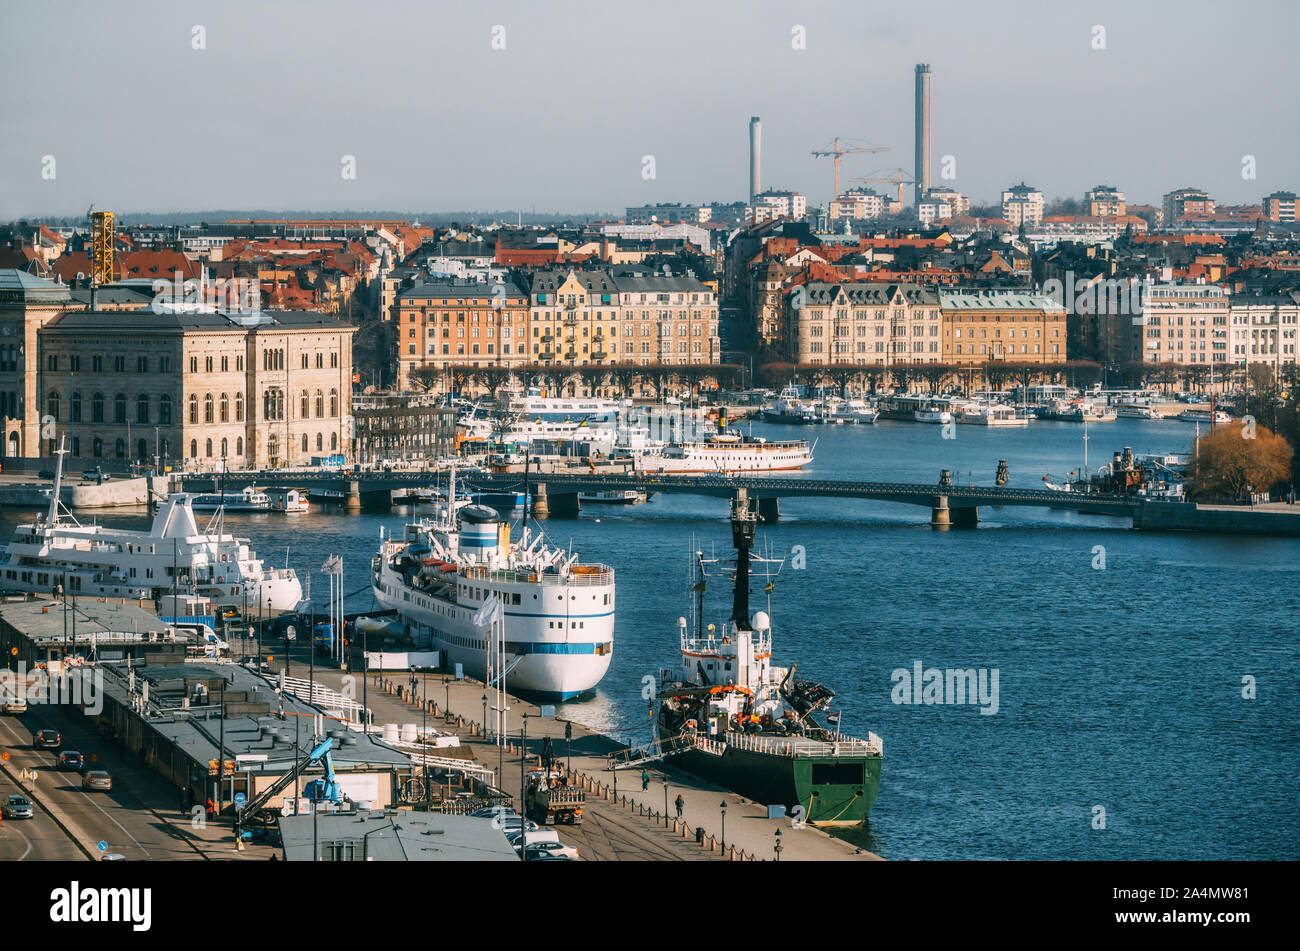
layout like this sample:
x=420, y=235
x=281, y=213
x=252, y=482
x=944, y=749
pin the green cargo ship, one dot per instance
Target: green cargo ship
x=729, y=716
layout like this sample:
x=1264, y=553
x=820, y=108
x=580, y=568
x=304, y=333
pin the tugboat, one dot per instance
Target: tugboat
x=728, y=715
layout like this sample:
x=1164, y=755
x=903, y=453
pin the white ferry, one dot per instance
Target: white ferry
x=614, y=496
x=728, y=453
x=1136, y=411
x=558, y=636
x=922, y=408
x=57, y=550
x=249, y=500
x=1204, y=416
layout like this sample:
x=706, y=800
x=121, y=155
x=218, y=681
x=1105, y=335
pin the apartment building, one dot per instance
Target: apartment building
x=1183, y=323
x=982, y=326
x=1105, y=201
x=881, y=324
x=1185, y=201
x=1279, y=206
x=455, y=323
x=1022, y=205
x=1262, y=329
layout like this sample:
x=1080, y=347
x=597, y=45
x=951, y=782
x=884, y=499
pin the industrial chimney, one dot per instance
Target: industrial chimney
x=922, y=171
x=755, y=157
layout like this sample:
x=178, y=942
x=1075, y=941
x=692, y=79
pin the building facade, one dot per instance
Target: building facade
x=1279, y=206
x=454, y=323
x=881, y=324
x=1105, y=201
x=202, y=391
x=983, y=326
x=1186, y=201
x=1022, y=205
x=1263, y=329
x=1184, y=323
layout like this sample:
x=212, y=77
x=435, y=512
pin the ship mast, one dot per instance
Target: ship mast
x=58, y=482
x=743, y=523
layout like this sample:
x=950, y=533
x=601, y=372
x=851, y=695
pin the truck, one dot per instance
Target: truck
x=552, y=800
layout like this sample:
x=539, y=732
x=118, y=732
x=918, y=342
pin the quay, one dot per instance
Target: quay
x=627, y=825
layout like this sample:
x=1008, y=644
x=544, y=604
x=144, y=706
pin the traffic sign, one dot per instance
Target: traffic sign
x=103, y=846
x=239, y=800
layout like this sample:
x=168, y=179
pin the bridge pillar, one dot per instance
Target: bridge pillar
x=968, y=516
x=564, y=505
x=541, y=505
x=353, y=502
x=940, y=517
x=769, y=510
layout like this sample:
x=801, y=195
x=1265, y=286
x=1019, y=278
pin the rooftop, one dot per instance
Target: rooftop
x=392, y=836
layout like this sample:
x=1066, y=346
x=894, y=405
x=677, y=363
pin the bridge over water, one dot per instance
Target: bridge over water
x=556, y=494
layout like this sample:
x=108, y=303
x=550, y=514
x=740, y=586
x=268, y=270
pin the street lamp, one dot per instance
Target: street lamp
x=290, y=635
x=485, y=716
x=777, y=846
x=723, y=807
x=665, y=805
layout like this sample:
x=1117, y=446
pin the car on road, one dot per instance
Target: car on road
x=548, y=850
x=99, y=780
x=70, y=761
x=47, y=740
x=14, y=705
x=17, y=807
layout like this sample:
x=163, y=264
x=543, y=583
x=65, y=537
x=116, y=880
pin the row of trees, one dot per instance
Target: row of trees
x=935, y=377
x=620, y=379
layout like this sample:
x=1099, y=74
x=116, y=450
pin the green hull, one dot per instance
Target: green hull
x=833, y=790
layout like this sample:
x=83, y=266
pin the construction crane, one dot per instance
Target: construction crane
x=102, y=238
x=837, y=153
x=898, y=177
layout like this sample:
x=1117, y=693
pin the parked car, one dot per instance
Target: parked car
x=47, y=740
x=17, y=807
x=488, y=812
x=549, y=850
x=70, y=761
x=15, y=705
x=535, y=834
x=99, y=780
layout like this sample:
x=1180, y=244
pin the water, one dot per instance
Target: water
x=1118, y=688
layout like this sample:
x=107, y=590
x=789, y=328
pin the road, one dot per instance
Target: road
x=139, y=819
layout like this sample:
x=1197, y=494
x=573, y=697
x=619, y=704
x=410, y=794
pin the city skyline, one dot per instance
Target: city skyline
x=271, y=123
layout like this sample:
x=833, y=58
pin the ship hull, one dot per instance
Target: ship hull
x=833, y=790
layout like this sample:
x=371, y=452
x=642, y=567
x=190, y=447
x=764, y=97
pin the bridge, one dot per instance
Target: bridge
x=555, y=494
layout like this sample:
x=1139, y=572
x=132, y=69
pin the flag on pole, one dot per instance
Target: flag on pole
x=489, y=612
x=832, y=718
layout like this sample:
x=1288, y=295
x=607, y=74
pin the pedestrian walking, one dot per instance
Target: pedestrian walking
x=645, y=779
x=680, y=804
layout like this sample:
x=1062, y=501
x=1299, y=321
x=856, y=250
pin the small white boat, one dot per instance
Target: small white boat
x=1203, y=416
x=251, y=499
x=1137, y=411
x=991, y=414
x=613, y=496
x=288, y=501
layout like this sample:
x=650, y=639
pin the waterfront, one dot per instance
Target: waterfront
x=1119, y=688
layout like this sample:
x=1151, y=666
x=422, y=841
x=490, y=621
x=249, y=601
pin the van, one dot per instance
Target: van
x=534, y=836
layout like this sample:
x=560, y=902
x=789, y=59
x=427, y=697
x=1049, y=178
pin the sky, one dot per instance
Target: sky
x=112, y=103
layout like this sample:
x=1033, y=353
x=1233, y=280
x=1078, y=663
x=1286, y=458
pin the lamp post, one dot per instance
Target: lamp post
x=446, y=697
x=484, y=716
x=776, y=847
x=665, y=805
x=290, y=635
x=723, y=808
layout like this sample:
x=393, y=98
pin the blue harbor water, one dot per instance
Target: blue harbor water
x=1119, y=689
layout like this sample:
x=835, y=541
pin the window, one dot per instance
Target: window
x=320, y=404
x=97, y=408
x=225, y=411
x=304, y=405
x=74, y=362
x=207, y=366
x=52, y=405
x=119, y=408
x=208, y=447
x=304, y=442
x=76, y=409
x=208, y=414
x=52, y=363
x=194, y=408
x=320, y=442
x=142, y=408
x=142, y=365
x=239, y=445
x=165, y=409
x=239, y=409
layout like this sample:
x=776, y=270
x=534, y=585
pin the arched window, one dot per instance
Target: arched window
x=52, y=405
x=194, y=408
x=208, y=449
x=305, y=407
x=119, y=408
x=224, y=447
x=239, y=445
x=141, y=449
x=208, y=408
x=320, y=405
x=334, y=404
x=97, y=447
x=194, y=448
x=142, y=408
x=334, y=442
x=97, y=409
x=165, y=409
x=304, y=442
x=225, y=409
x=272, y=447
x=239, y=408
x=119, y=448
x=320, y=441
x=76, y=408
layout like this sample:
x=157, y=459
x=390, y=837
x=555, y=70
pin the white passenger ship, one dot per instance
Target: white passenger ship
x=95, y=560
x=727, y=452
x=558, y=613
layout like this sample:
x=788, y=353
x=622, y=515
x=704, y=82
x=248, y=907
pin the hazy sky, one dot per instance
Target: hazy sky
x=138, y=120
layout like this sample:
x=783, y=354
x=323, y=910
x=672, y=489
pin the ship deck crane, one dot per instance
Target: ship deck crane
x=836, y=152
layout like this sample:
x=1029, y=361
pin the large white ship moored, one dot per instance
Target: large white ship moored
x=727, y=452
x=56, y=549
x=558, y=613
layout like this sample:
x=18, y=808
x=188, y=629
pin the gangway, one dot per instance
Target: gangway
x=509, y=667
x=652, y=752
x=322, y=696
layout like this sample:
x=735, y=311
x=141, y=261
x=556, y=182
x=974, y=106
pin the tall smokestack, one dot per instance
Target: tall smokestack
x=922, y=172
x=755, y=157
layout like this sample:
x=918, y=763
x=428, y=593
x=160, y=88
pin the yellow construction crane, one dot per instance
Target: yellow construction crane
x=836, y=152
x=102, y=239
x=898, y=177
